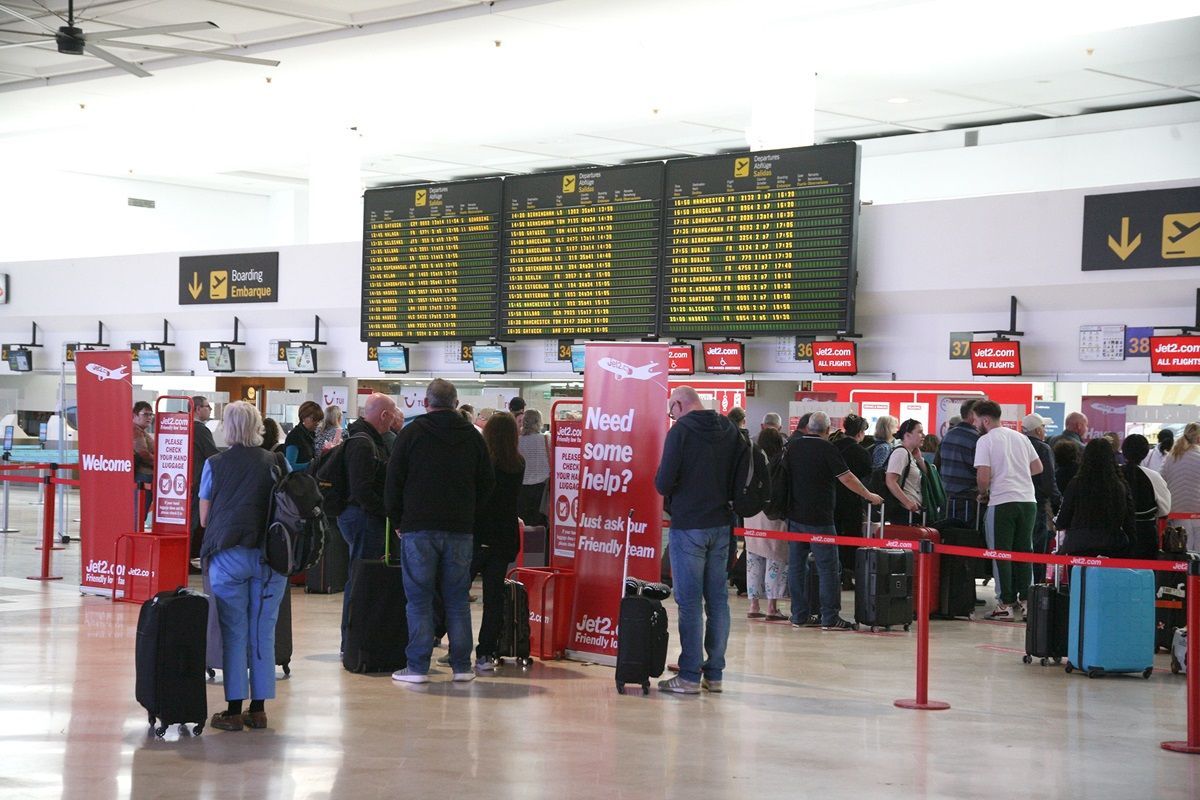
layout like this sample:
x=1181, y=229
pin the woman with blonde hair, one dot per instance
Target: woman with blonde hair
x=1181, y=470
x=329, y=435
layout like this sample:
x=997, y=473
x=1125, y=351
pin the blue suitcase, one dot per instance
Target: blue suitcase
x=1112, y=621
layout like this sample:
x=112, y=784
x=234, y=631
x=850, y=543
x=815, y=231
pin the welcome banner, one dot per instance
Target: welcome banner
x=106, y=490
x=624, y=426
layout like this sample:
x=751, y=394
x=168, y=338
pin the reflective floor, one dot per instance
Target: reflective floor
x=804, y=714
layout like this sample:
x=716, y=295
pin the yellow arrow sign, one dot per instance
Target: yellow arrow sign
x=1124, y=249
x=195, y=287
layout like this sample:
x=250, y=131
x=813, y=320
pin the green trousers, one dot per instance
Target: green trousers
x=1009, y=526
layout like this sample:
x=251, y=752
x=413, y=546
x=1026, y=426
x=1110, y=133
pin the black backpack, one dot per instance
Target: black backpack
x=329, y=470
x=751, y=480
x=780, y=503
x=295, y=535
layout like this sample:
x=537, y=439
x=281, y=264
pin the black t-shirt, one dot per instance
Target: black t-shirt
x=815, y=465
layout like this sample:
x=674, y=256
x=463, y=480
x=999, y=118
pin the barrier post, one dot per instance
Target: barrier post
x=1192, y=745
x=922, y=701
x=47, y=533
x=4, y=525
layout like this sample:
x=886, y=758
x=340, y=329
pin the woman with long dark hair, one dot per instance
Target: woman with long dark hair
x=496, y=534
x=1158, y=455
x=1151, y=497
x=1097, y=508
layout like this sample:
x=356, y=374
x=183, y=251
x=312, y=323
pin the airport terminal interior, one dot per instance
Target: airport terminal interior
x=223, y=199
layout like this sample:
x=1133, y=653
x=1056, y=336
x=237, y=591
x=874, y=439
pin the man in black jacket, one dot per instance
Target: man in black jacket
x=696, y=477
x=362, y=522
x=439, y=472
x=203, y=446
x=1045, y=490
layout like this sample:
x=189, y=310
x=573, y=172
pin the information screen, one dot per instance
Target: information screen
x=761, y=243
x=393, y=359
x=582, y=252
x=150, y=359
x=301, y=359
x=431, y=261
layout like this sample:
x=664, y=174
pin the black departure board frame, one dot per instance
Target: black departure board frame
x=436, y=268
x=765, y=245
x=582, y=252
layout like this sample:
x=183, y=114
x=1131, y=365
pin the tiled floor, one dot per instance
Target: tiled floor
x=805, y=714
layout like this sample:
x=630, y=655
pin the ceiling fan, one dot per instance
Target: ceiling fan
x=71, y=40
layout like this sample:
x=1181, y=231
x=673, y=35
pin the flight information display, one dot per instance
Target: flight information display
x=582, y=252
x=761, y=243
x=431, y=261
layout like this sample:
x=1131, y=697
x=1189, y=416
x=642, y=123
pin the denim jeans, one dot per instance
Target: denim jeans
x=248, y=595
x=426, y=557
x=829, y=572
x=365, y=535
x=699, y=559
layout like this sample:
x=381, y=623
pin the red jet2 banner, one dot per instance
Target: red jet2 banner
x=624, y=427
x=106, y=490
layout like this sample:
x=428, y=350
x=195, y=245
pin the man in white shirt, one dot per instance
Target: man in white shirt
x=1005, y=463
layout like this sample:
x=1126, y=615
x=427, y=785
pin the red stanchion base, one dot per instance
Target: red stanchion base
x=40, y=578
x=1180, y=747
x=929, y=705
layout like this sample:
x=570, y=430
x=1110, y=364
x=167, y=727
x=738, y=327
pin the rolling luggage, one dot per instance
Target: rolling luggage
x=1048, y=624
x=956, y=593
x=917, y=533
x=215, y=650
x=377, y=627
x=169, y=660
x=1170, y=603
x=514, y=629
x=1112, y=621
x=883, y=587
x=328, y=575
x=642, y=633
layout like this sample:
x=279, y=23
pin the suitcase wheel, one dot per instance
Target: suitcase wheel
x=645, y=688
x=1028, y=659
x=1070, y=668
x=1057, y=660
x=212, y=676
x=620, y=688
x=151, y=717
x=1176, y=667
x=1091, y=673
x=907, y=625
x=1146, y=672
x=287, y=670
x=160, y=731
x=197, y=730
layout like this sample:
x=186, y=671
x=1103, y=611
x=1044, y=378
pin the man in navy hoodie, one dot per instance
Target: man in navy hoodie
x=696, y=478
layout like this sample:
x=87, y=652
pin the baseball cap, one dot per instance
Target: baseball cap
x=1032, y=422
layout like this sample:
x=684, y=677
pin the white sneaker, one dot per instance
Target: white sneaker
x=463, y=677
x=1002, y=613
x=405, y=676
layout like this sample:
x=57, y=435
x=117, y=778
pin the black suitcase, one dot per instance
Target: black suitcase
x=737, y=574
x=883, y=587
x=1170, y=603
x=514, y=630
x=215, y=650
x=642, y=638
x=1048, y=625
x=377, y=626
x=170, y=660
x=328, y=575
x=956, y=595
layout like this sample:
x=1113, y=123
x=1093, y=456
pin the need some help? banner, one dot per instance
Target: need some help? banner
x=624, y=427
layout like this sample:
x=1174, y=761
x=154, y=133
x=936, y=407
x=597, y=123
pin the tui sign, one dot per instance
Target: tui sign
x=233, y=278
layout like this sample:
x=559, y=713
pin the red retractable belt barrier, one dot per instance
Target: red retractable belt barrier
x=927, y=549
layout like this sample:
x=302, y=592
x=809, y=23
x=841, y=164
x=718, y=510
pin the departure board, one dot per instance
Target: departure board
x=761, y=243
x=431, y=261
x=582, y=252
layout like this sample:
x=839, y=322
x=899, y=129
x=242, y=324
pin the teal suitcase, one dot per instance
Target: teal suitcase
x=1112, y=621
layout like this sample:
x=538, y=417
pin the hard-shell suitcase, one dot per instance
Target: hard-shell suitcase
x=169, y=660
x=956, y=595
x=514, y=628
x=1048, y=624
x=1112, y=621
x=328, y=575
x=215, y=650
x=377, y=627
x=642, y=638
x=883, y=587
x=917, y=533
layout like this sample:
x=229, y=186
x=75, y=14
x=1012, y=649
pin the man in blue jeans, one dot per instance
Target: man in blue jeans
x=696, y=478
x=816, y=467
x=438, y=474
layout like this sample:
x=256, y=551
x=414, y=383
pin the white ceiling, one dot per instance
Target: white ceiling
x=441, y=89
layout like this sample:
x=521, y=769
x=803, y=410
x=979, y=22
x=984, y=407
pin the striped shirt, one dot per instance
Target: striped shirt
x=956, y=454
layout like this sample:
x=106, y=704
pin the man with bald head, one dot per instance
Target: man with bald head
x=1075, y=430
x=363, y=520
x=695, y=477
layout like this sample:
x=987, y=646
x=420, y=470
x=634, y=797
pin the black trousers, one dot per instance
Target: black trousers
x=529, y=504
x=492, y=566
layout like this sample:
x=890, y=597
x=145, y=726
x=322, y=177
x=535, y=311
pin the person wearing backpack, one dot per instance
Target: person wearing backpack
x=363, y=520
x=235, y=496
x=696, y=477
